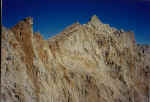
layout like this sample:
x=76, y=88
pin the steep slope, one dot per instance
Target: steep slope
x=92, y=62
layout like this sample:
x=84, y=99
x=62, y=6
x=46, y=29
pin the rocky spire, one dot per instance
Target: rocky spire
x=23, y=32
x=23, y=29
x=29, y=20
x=94, y=21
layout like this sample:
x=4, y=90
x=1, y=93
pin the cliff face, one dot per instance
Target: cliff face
x=92, y=62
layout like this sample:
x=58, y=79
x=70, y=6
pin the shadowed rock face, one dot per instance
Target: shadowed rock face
x=84, y=63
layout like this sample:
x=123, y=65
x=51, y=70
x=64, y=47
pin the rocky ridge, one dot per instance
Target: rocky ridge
x=92, y=62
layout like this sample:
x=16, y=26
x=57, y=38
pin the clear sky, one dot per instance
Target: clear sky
x=52, y=16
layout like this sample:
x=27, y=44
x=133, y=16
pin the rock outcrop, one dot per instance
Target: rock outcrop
x=92, y=62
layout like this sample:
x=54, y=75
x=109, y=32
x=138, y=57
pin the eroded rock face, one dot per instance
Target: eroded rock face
x=84, y=63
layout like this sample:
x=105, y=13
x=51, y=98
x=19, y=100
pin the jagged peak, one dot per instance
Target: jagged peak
x=28, y=20
x=24, y=23
x=95, y=18
x=23, y=29
x=95, y=21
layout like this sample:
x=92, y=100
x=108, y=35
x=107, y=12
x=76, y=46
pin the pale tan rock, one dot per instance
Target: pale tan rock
x=84, y=63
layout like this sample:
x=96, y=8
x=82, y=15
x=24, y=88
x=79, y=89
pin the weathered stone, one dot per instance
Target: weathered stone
x=84, y=63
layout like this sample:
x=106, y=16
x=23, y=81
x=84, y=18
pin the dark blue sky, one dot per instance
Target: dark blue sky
x=52, y=16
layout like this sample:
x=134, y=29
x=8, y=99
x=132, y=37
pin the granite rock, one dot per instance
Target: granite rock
x=90, y=62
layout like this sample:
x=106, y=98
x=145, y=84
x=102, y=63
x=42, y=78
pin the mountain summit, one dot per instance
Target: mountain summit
x=92, y=62
x=95, y=21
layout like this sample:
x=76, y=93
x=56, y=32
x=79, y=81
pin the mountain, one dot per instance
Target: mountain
x=90, y=62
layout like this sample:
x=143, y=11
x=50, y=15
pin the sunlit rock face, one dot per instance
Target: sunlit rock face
x=92, y=62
